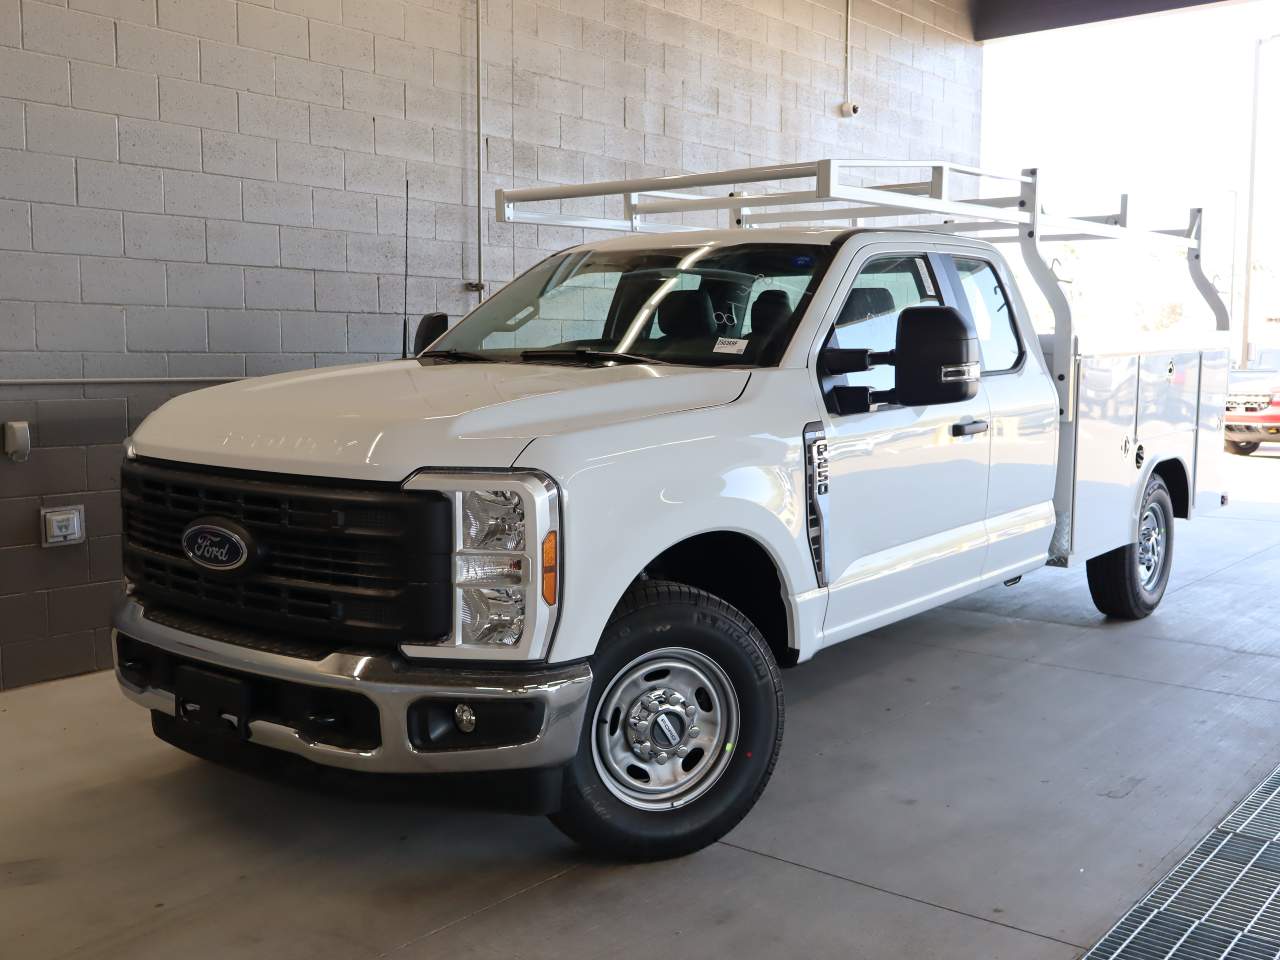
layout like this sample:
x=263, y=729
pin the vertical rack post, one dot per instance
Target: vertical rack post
x=1221, y=317
x=1064, y=340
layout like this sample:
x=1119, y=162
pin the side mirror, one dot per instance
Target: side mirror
x=430, y=329
x=937, y=357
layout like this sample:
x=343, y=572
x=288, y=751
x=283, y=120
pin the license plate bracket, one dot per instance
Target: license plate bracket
x=212, y=701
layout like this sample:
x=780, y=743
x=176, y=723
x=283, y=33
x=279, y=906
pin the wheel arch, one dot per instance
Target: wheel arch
x=1174, y=474
x=754, y=582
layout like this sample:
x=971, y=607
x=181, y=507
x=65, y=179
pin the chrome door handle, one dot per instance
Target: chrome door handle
x=969, y=429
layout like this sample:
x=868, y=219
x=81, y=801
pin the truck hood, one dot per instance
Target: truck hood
x=383, y=421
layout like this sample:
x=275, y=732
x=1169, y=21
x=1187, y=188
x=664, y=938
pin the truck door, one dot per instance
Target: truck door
x=904, y=517
x=1024, y=417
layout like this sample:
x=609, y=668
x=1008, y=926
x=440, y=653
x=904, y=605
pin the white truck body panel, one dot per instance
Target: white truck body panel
x=1159, y=402
x=865, y=517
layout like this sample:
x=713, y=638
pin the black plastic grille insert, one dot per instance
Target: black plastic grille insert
x=333, y=560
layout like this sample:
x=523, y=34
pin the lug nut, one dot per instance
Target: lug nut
x=682, y=751
x=661, y=758
x=694, y=731
x=689, y=711
x=464, y=718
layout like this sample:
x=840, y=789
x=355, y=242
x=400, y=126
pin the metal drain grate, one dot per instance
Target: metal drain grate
x=1221, y=903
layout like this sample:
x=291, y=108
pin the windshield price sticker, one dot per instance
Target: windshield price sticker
x=730, y=345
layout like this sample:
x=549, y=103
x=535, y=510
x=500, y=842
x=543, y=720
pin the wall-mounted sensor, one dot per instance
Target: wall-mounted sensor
x=848, y=109
x=62, y=525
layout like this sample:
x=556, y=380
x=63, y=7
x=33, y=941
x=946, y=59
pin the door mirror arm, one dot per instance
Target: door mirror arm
x=836, y=361
x=846, y=401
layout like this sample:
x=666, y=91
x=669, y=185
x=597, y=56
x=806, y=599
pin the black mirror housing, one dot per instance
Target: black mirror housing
x=937, y=357
x=430, y=328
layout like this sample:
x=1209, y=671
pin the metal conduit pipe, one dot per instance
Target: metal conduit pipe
x=848, y=108
x=478, y=284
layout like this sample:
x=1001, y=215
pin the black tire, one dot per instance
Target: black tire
x=1118, y=582
x=653, y=618
x=1242, y=448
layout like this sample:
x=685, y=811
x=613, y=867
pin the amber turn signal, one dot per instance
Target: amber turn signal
x=550, y=560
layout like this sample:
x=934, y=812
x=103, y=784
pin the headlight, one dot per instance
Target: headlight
x=492, y=520
x=492, y=616
x=505, y=566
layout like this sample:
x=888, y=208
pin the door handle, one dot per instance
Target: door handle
x=969, y=429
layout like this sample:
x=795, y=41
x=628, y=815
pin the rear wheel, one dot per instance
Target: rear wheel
x=1242, y=448
x=684, y=727
x=1130, y=581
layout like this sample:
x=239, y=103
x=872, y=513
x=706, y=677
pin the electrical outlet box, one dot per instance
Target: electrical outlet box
x=62, y=525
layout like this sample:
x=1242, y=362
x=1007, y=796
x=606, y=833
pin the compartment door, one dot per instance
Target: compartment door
x=1168, y=384
x=1210, y=482
x=1105, y=475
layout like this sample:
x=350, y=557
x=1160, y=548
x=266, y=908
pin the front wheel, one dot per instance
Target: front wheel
x=1242, y=448
x=684, y=727
x=1129, y=581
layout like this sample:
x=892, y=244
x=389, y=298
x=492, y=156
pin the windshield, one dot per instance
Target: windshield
x=705, y=305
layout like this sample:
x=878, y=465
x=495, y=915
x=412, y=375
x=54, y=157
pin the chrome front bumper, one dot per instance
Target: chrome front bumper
x=393, y=689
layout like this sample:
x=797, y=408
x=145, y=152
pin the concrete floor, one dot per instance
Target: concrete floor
x=1001, y=778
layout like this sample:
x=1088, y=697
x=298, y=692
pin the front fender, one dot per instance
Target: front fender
x=628, y=495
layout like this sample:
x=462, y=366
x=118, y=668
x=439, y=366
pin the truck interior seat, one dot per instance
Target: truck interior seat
x=770, y=311
x=866, y=302
x=686, y=315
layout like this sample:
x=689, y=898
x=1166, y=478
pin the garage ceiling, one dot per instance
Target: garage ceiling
x=1008, y=18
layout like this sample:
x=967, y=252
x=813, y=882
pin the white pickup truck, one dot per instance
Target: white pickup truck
x=574, y=538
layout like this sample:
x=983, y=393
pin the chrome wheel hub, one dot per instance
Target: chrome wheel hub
x=1152, y=535
x=661, y=724
x=664, y=729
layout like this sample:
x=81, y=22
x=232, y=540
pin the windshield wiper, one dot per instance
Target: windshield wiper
x=585, y=354
x=462, y=356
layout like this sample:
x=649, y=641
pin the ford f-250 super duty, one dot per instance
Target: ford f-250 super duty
x=576, y=536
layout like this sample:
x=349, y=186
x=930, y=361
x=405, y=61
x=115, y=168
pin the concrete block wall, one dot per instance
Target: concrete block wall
x=213, y=188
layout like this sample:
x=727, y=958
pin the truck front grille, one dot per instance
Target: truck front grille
x=333, y=560
x=1248, y=403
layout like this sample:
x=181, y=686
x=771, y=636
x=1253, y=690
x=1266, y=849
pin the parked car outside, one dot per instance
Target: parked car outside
x=1253, y=405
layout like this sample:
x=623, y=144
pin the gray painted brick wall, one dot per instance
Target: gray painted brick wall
x=212, y=188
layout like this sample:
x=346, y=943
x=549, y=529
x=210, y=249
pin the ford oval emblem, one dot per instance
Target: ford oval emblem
x=214, y=547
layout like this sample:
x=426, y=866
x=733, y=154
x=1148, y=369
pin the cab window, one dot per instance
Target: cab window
x=991, y=315
x=869, y=318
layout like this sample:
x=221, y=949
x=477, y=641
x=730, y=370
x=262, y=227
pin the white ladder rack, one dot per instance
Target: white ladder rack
x=799, y=203
x=814, y=191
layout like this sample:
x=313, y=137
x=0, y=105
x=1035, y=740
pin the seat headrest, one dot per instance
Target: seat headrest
x=686, y=314
x=866, y=302
x=771, y=309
